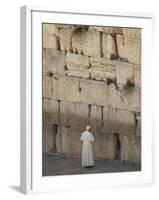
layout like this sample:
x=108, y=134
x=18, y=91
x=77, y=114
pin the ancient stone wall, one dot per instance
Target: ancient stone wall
x=92, y=76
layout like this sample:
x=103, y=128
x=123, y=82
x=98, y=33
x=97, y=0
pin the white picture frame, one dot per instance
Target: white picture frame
x=31, y=101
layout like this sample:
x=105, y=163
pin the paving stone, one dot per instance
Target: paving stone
x=61, y=164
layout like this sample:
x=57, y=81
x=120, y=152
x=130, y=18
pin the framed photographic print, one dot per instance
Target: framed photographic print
x=86, y=100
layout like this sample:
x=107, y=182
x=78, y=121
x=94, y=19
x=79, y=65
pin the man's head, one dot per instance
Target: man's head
x=88, y=128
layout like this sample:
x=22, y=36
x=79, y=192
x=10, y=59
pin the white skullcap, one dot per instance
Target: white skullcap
x=88, y=128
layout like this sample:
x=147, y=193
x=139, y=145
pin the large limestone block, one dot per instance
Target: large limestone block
x=127, y=97
x=47, y=86
x=93, y=92
x=130, y=149
x=67, y=113
x=77, y=61
x=53, y=61
x=77, y=65
x=129, y=49
x=132, y=99
x=74, y=115
x=137, y=75
x=78, y=72
x=137, y=149
x=49, y=138
x=50, y=135
x=51, y=111
x=102, y=69
x=103, y=146
x=132, y=33
x=124, y=72
x=106, y=129
x=50, y=36
x=81, y=119
x=86, y=42
x=119, y=121
x=124, y=148
x=109, y=46
x=65, y=35
x=66, y=89
x=69, y=141
x=75, y=143
x=96, y=113
x=63, y=141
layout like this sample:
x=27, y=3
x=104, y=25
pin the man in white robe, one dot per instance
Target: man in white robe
x=87, y=152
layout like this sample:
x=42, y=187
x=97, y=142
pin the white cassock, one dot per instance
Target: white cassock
x=87, y=152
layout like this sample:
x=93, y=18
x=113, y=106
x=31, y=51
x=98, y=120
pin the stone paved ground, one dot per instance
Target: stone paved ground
x=58, y=164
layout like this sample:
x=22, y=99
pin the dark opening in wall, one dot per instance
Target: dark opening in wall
x=117, y=146
x=54, y=133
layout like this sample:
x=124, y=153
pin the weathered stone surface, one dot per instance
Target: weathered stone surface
x=75, y=144
x=47, y=86
x=49, y=138
x=129, y=48
x=96, y=93
x=63, y=140
x=126, y=98
x=77, y=61
x=102, y=68
x=124, y=147
x=65, y=34
x=93, y=92
x=96, y=118
x=106, y=129
x=50, y=135
x=87, y=42
x=66, y=88
x=81, y=119
x=77, y=65
x=132, y=33
x=109, y=46
x=118, y=121
x=124, y=72
x=67, y=113
x=74, y=115
x=53, y=61
x=138, y=127
x=50, y=36
x=108, y=30
x=137, y=75
x=130, y=149
x=51, y=111
x=81, y=73
x=69, y=141
x=103, y=146
x=137, y=150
